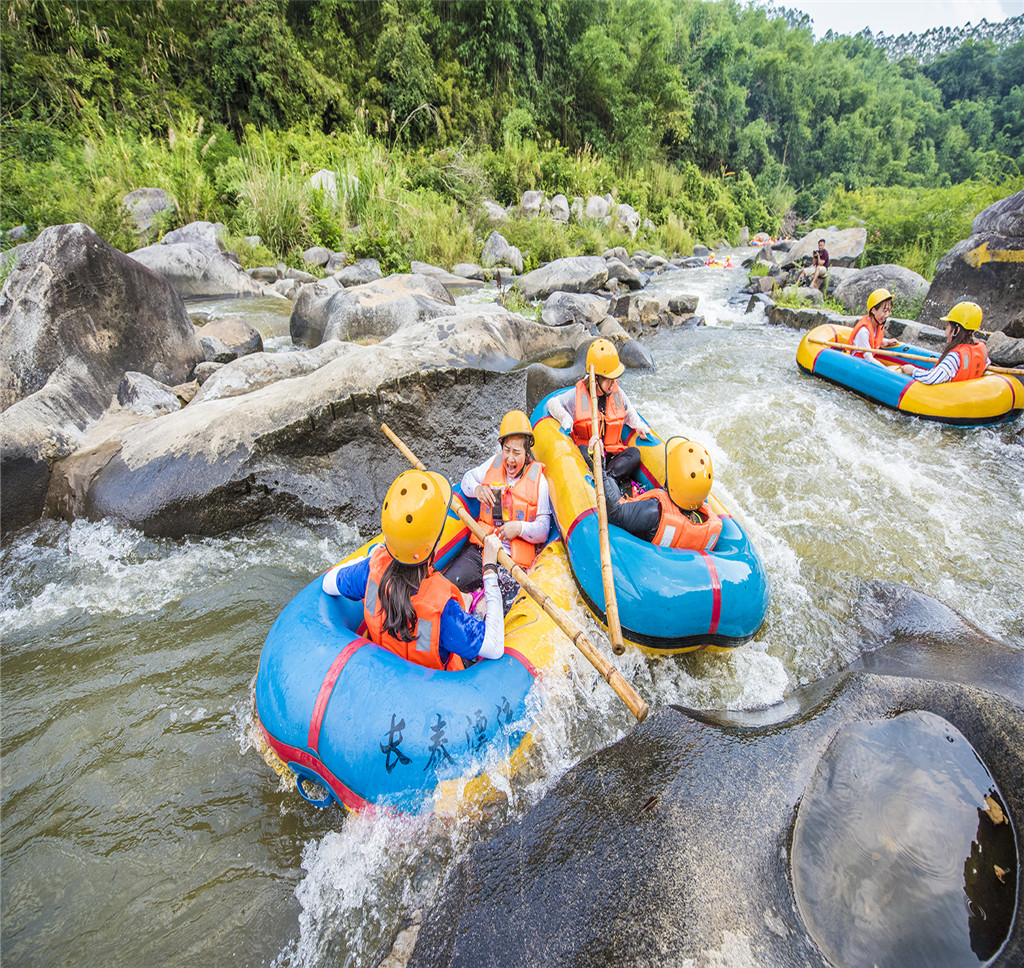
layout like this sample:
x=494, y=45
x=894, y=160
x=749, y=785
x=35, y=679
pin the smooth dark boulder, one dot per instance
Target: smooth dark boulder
x=235, y=333
x=987, y=268
x=674, y=847
x=75, y=315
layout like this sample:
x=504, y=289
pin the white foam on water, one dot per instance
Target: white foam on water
x=106, y=567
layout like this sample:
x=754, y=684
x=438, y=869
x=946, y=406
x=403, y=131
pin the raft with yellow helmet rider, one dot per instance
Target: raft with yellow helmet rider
x=687, y=576
x=953, y=386
x=368, y=718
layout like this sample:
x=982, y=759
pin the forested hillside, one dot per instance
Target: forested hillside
x=733, y=104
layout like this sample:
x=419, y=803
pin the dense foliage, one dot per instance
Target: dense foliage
x=703, y=115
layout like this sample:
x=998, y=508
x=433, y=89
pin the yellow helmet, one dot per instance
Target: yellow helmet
x=966, y=314
x=515, y=422
x=688, y=473
x=604, y=358
x=413, y=515
x=879, y=295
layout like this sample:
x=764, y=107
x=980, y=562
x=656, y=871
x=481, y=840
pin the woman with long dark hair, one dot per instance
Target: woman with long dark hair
x=963, y=358
x=409, y=607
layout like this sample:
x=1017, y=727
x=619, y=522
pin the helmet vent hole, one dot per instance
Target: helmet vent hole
x=403, y=492
x=693, y=474
x=423, y=485
x=408, y=519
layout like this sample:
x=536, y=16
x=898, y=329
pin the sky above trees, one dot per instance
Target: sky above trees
x=896, y=17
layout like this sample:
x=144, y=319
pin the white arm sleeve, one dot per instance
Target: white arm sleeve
x=494, y=620
x=474, y=477
x=557, y=407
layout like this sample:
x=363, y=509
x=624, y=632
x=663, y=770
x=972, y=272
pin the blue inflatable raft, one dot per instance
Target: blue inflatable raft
x=668, y=600
x=360, y=726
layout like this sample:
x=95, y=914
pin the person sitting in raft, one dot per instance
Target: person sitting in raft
x=963, y=358
x=408, y=607
x=614, y=411
x=869, y=332
x=677, y=515
x=514, y=504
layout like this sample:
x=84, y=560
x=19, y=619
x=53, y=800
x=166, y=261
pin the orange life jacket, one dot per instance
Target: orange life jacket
x=610, y=422
x=677, y=529
x=518, y=503
x=973, y=360
x=876, y=333
x=434, y=593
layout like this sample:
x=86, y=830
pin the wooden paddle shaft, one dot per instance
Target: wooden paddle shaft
x=898, y=354
x=611, y=605
x=575, y=634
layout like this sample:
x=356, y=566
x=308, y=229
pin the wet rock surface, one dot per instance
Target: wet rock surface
x=673, y=846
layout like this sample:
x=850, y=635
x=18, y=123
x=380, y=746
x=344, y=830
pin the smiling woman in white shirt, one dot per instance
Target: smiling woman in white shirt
x=514, y=504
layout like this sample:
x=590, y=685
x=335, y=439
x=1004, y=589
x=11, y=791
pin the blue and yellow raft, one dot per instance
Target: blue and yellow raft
x=360, y=726
x=668, y=600
x=990, y=399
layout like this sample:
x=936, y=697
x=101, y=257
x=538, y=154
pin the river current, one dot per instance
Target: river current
x=140, y=824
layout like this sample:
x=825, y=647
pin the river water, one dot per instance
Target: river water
x=140, y=825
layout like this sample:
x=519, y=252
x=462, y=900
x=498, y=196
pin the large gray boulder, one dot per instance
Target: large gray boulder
x=143, y=206
x=451, y=281
x=567, y=307
x=312, y=444
x=845, y=247
x=371, y=312
x=987, y=268
x=235, y=333
x=498, y=252
x=204, y=235
x=197, y=271
x=853, y=824
x=359, y=273
x=75, y=315
x=907, y=286
x=585, y=273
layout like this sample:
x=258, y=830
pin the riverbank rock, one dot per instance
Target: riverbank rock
x=498, y=252
x=370, y=312
x=845, y=247
x=586, y=273
x=197, y=271
x=987, y=268
x=450, y=280
x=311, y=445
x=235, y=333
x=691, y=828
x=75, y=315
x=908, y=287
x=359, y=273
x=143, y=206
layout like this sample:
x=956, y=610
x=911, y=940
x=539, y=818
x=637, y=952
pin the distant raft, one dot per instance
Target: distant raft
x=669, y=600
x=360, y=726
x=991, y=399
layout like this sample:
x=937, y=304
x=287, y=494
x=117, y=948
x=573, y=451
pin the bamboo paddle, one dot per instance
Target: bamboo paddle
x=611, y=605
x=905, y=356
x=576, y=635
